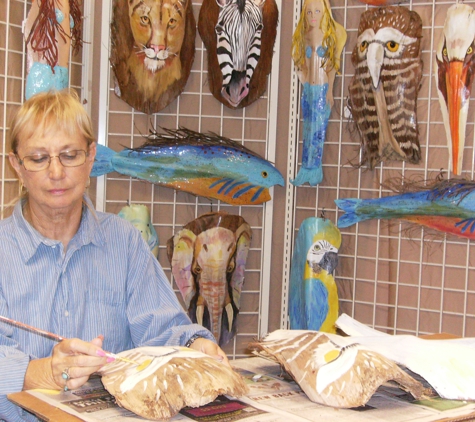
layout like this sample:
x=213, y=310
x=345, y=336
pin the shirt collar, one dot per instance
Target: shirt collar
x=29, y=239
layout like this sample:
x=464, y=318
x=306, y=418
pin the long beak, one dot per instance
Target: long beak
x=457, y=96
x=375, y=57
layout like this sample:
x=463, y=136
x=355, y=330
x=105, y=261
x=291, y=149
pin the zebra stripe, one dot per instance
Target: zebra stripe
x=238, y=32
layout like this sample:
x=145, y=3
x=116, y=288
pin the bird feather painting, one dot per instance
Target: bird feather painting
x=51, y=28
x=202, y=164
x=139, y=216
x=455, y=66
x=447, y=206
x=313, y=295
x=152, y=51
x=167, y=379
x=239, y=36
x=208, y=258
x=332, y=370
x=383, y=91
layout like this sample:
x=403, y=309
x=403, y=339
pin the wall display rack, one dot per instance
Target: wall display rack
x=391, y=276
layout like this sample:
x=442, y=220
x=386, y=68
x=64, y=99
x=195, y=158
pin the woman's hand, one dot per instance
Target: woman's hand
x=210, y=348
x=75, y=358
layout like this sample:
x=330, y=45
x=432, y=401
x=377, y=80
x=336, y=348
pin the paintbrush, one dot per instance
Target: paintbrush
x=55, y=337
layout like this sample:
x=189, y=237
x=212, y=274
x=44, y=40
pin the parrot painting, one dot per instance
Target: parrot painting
x=313, y=295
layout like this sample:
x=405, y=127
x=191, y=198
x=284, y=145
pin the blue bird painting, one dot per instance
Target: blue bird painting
x=313, y=295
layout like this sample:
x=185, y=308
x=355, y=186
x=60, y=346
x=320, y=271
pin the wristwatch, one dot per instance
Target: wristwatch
x=192, y=339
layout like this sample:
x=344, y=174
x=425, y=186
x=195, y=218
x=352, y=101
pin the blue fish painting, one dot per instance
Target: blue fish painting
x=208, y=165
x=447, y=206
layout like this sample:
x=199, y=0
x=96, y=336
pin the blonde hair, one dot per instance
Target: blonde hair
x=51, y=110
x=329, y=43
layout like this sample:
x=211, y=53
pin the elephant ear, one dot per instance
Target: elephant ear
x=243, y=241
x=180, y=249
x=243, y=236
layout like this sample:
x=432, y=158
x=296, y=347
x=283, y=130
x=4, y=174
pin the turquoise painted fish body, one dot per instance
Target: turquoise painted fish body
x=209, y=166
x=451, y=201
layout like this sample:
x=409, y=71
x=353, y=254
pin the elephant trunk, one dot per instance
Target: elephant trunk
x=214, y=291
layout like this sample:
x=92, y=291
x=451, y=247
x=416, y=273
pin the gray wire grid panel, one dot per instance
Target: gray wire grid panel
x=198, y=110
x=391, y=276
x=12, y=86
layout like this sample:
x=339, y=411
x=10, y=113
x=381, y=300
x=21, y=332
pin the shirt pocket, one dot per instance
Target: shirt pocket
x=107, y=297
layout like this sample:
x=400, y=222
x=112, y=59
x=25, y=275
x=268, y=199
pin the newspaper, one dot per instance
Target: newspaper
x=273, y=397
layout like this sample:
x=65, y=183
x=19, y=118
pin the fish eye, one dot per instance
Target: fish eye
x=363, y=46
x=264, y=174
x=392, y=46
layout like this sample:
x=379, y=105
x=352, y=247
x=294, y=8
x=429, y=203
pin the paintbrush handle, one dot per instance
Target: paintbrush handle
x=122, y=358
x=52, y=336
x=31, y=328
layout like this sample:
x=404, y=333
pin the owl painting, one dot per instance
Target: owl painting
x=383, y=91
x=313, y=294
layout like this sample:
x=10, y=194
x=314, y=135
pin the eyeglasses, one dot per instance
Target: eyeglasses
x=40, y=162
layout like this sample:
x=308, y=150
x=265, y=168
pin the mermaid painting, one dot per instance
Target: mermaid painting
x=317, y=44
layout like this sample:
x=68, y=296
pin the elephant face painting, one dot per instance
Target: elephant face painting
x=153, y=47
x=208, y=258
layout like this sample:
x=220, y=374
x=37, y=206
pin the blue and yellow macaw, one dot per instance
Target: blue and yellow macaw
x=313, y=296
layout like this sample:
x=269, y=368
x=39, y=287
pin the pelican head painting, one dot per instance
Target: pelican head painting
x=455, y=61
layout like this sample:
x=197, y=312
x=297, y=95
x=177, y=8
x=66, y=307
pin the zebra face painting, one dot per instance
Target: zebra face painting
x=238, y=32
x=239, y=37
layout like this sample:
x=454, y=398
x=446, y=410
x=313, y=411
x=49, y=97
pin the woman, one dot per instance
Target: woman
x=317, y=44
x=88, y=277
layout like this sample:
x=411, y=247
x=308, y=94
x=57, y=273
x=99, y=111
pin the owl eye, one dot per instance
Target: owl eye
x=363, y=46
x=392, y=46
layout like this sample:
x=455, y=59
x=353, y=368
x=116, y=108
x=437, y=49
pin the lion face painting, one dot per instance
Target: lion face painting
x=150, y=41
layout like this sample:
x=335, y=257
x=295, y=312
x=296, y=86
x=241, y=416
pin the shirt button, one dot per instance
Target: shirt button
x=66, y=313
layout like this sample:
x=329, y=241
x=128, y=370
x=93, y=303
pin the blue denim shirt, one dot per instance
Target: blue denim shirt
x=107, y=282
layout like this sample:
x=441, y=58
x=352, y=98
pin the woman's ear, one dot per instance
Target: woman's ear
x=14, y=163
x=91, y=155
